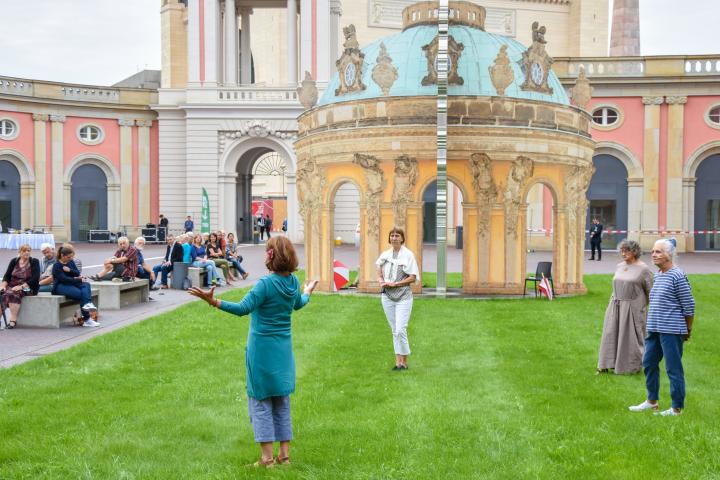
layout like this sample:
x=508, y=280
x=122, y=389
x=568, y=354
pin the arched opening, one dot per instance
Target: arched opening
x=345, y=205
x=261, y=192
x=539, y=235
x=707, y=203
x=454, y=234
x=608, y=200
x=88, y=202
x=9, y=196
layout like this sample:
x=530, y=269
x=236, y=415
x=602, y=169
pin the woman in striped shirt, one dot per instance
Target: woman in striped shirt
x=669, y=324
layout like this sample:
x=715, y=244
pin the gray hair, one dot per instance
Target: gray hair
x=670, y=247
x=631, y=246
x=46, y=245
x=139, y=241
x=123, y=239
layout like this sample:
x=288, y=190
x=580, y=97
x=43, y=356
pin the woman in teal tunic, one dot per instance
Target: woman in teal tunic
x=268, y=356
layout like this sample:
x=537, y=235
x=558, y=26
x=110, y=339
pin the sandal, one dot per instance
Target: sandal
x=282, y=460
x=11, y=324
x=263, y=463
x=245, y=275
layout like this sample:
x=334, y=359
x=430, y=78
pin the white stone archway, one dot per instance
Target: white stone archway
x=635, y=183
x=227, y=180
x=28, y=217
x=688, y=190
x=113, y=187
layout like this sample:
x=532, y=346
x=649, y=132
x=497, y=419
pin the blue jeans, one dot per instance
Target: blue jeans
x=80, y=292
x=270, y=419
x=45, y=288
x=212, y=273
x=163, y=272
x=237, y=265
x=670, y=346
x=143, y=274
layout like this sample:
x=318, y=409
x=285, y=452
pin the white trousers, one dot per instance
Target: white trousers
x=398, y=316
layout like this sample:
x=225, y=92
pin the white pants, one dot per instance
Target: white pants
x=398, y=316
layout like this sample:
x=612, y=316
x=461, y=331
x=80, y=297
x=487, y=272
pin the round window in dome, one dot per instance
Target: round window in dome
x=605, y=116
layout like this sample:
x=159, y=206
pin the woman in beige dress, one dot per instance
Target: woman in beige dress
x=623, y=336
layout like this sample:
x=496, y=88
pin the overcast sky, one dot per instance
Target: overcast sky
x=100, y=42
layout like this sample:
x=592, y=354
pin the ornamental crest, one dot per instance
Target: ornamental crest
x=582, y=91
x=431, y=53
x=536, y=63
x=384, y=73
x=350, y=64
x=501, y=73
x=308, y=92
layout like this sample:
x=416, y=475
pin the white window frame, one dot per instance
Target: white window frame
x=16, y=129
x=605, y=107
x=708, y=120
x=101, y=134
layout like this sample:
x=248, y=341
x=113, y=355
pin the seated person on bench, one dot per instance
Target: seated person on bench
x=46, y=264
x=123, y=264
x=173, y=253
x=144, y=270
x=68, y=282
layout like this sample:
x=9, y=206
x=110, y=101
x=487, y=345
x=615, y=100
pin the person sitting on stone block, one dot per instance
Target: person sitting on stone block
x=123, y=264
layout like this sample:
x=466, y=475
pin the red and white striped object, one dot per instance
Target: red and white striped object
x=341, y=275
x=544, y=287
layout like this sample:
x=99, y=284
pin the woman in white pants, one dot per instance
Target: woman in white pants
x=397, y=270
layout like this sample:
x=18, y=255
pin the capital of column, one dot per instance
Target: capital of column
x=652, y=100
x=635, y=182
x=336, y=7
x=689, y=181
x=123, y=122
x=676, y=100
x=41, y=117
x=57, y=118
x=143, y=123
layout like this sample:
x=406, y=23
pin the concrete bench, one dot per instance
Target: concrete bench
x=198, y=275
x=49, y=311
x=116, y=295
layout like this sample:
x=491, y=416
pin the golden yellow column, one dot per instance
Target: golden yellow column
x=144, y=171
x=58, y=228
x=40, y=125
x=651, y=165
x=126, y=190
x=674, y=197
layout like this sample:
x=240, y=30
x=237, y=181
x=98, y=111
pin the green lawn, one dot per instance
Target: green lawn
x=496, y=389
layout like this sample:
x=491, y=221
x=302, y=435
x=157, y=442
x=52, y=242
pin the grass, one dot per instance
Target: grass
x=496, y=389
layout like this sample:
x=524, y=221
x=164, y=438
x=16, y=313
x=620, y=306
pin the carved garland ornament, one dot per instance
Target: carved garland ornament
x=455, y=50
x=350, y=64
x=406, y=175
x=384, y=73
x=485, y=189
x=576, y=184
x=521, y=170
x=501, y=73
x=311, y=181
x=253, y=128
x=375, y=187
x=536, y=63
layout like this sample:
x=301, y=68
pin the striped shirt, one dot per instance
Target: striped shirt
x=670, y=302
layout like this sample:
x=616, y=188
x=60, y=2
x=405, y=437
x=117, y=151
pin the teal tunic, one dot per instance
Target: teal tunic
x=268, y=356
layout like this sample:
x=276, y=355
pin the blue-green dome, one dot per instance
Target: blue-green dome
x=408, y=57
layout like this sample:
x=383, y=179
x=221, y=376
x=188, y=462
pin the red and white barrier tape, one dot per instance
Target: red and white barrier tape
x=649, y=232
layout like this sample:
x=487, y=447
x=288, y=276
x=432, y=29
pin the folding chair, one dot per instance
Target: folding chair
x=542, y=268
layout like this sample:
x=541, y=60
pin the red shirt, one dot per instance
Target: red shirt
x=131, y=265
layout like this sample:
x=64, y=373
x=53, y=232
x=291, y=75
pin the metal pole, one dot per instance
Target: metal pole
x=442, y=83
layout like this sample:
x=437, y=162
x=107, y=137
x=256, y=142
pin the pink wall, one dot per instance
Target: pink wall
x=631, y=133
x=25, y=141
x=109, y=148
x=154, y=172
x=663, y=167
x=696, y=132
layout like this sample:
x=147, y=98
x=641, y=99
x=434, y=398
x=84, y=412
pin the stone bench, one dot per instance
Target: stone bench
x=49, y=311
x=116, y=295
x=198, y=275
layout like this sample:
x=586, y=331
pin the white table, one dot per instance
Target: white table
x=12, y=241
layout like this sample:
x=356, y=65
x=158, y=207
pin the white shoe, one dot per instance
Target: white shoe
x=644, y=406
x=669, y=413
x=221, y=282
x=89, y=307
x=90, y=323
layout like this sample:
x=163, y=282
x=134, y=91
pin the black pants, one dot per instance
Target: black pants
x=593, y=245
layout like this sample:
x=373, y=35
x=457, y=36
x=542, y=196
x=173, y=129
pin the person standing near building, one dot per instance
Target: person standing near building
x=669, y=324
x=596, y=239
x=268, y=225
x=164, y=223
x=189, y=224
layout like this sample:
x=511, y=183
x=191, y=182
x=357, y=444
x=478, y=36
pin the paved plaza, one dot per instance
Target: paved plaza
x=21, y=344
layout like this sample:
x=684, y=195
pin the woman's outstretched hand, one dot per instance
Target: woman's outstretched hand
x=207, y=295
x=310, y=286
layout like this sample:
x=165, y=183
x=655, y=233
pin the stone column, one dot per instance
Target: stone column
x=67, y=210
x=212, y=42
x=231, y=43
x=144, y=171
x=227, y=201
x=674, y=196
x=292, y=46
x=27, y=203
x=635, y=203
x=40, y=136
x=113, y=192
x=306, y=45
x=245, y=47
x=334, y=34
x=58, y=227
x=651, y=166
x=293, y=230
x=688, y=199
x=126, y=180
x=193, y=47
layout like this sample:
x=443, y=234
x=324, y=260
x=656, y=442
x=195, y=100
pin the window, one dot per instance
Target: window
x=90, y=134
x=605, y=116
x=714, y=115
x=8, y=129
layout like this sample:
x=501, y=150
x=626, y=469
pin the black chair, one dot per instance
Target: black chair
x=543, y=268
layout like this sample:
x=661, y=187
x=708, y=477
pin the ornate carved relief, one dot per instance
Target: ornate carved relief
x=384, y=73
x=652, y=100
x=349, y=65
x=308, y=92
x=520, y=172
x=501, y=73
x=311, y=181
x=254, y=128
x=536, y=63
x=375, y=187
x=484, y=186
x=454, y=52
x=676, y=100
x=406, y=175
x=577, y=182
x=582, y=91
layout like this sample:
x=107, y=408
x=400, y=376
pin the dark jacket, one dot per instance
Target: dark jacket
x=596, y=232
x=34, y=272
x=176, y=255
x=60, y=276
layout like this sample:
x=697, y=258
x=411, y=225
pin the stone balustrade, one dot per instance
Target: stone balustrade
x=90, y=94
x=258, y=94
x=640, y=67
x=16, y=86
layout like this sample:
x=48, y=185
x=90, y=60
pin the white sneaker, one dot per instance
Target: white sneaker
x=221, y=282
x=644, y=406
x=89, y=307
x=669, y=413
x=90, y=323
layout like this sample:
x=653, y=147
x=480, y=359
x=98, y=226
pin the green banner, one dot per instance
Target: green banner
x=205, y=215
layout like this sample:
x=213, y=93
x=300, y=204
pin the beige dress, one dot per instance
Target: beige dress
x=623, y=335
